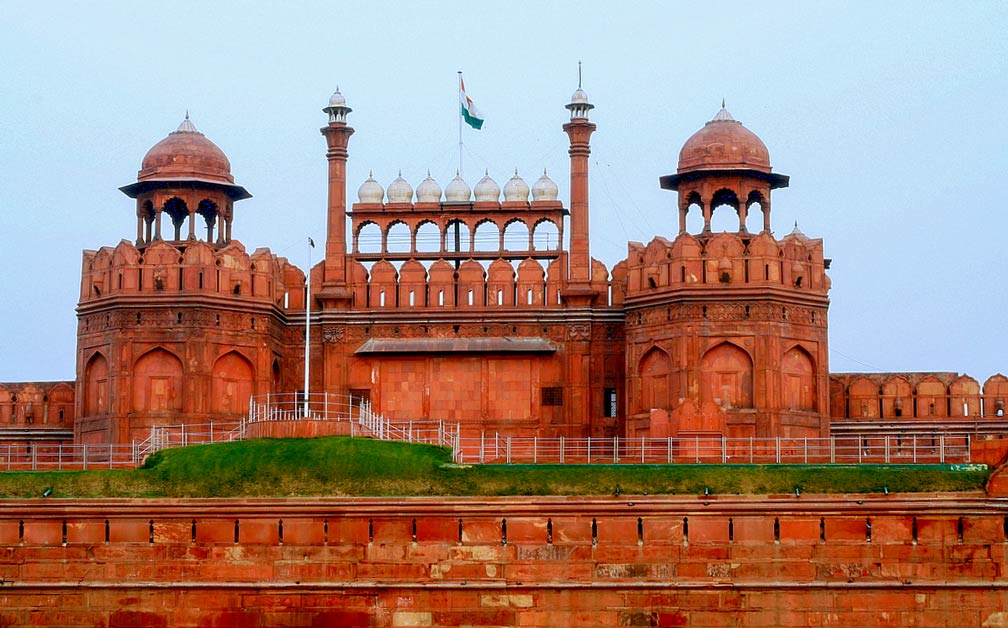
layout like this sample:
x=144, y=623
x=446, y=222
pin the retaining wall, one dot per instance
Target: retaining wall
x=855, y=560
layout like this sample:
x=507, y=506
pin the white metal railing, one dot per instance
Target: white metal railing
x=932, y=448
x=66, y=457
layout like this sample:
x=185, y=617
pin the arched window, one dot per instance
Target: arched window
x=397, y=239
x=487, y=237
x=546, y=236
x=178, y=211
x=368, y=239
x=208, y=210
x=724, y=211
x=694, y=213
x=457, y=237
x=428, y=238
x=516, y=236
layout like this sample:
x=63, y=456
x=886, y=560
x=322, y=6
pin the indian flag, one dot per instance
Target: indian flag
x=470, y=113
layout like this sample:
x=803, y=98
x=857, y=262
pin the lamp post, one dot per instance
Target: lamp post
x=307, y=326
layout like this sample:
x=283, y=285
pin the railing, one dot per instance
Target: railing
x=848, y=449
x=164, y=436
x=59, y=457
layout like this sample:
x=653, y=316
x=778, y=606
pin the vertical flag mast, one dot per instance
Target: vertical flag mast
x=461, y=101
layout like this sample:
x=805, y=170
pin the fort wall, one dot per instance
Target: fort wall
x=864, y=560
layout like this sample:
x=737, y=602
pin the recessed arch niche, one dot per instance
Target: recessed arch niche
x=726, y=376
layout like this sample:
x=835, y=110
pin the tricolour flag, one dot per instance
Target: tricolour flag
x=470, y=113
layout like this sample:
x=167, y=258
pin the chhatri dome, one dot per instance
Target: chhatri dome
x=724, y=144
x=185, y=154
x=458, y=190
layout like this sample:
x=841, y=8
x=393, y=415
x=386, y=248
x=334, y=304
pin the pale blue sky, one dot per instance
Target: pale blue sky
x=888, y=116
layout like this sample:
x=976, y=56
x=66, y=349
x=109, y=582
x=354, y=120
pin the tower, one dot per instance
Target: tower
x=726, y=332
x=579, y=129
x=182, y=325
x=337, y=134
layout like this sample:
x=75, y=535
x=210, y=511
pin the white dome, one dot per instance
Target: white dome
x=487, y=189
x=516, y=189
x=579, y=97
x=399, y=191
x=370, y=191
x=544, y=189
x=337, y=100
x=428, y=191
x=457, y=191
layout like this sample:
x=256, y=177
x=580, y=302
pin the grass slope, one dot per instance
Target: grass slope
x=345, y=466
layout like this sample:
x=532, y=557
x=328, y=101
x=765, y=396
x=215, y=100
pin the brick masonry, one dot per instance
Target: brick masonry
x=857, y=560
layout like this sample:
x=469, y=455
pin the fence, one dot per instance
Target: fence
x=848, y=449
x=59, y=457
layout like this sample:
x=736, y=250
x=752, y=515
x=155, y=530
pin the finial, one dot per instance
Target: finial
x=400, y=172
x=544, y=172
x=722, y=103
x=187, y=114
x=428, y=173
x=796, y=224
x=516, y=172
x=486, y=172
x=457, y=173
x=370, y=174
x=579, y=75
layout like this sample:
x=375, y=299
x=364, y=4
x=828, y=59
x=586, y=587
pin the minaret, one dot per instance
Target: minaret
x=337, y=135
x=579, y=130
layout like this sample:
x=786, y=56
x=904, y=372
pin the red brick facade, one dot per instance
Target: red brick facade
x=859, y=560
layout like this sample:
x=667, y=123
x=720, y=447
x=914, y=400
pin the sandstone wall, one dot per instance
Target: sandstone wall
x=897, y=560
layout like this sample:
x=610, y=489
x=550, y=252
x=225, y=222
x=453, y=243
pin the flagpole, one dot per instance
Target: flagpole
x=458, y=108
x=307, y=327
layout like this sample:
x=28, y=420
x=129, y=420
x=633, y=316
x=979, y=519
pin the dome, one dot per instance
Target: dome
x=544, y=189
x=399, y=191
x=457, y=191
x=516, y=189
x=370, y=191
x=487, y=190
x=184, y=155
x=579, y=97
x=337, y=99
x=428, y=191
x=724, y=144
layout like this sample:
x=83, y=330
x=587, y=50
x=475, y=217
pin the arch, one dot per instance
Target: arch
x=457, y=236
x=799, y=380
x=233, y=382
x=208, y=210
x=863, y=399
x=516, y=235
x=692, y=218
x=995, y=395
x=964, y=397
x=897, y=397
x=178, y=211
x=276, y=380
x=157, y=382
x=932, y=398
x=427, y=237
x=398, y=238
x=726, y=376
x=96, y=385
x=368, y=238
x=723, y=221
x=545, y=235
x=655, y=372
x=486, y=236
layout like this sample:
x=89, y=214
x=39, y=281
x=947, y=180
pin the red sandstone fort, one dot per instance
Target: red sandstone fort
x=486, y=312
x=489, y=313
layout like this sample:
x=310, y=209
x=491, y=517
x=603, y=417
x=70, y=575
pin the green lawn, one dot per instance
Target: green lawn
x=345, y=466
